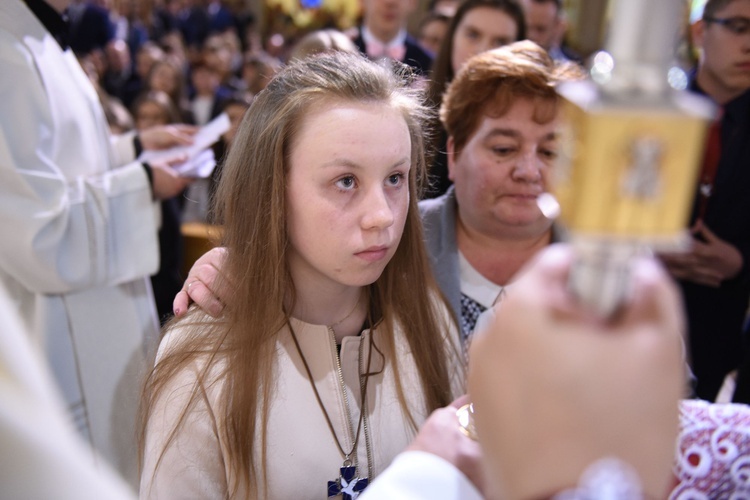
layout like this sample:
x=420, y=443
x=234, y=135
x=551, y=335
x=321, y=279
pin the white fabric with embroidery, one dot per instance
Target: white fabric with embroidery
x=712, y=458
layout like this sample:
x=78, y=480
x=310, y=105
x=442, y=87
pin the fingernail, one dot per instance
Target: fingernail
x=177, y=311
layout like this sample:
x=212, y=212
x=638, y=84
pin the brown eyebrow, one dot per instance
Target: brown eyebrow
x=508, y=132
x=343, y=162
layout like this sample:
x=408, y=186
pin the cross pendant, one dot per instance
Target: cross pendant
x=348, y=485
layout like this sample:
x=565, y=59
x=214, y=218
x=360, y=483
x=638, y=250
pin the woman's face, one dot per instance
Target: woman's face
x=481, y=29
x=431, y=35
x=347, y=193
x=502, y=169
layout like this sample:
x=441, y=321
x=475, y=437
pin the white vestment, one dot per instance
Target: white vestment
x=79, y=234
x=40, y=454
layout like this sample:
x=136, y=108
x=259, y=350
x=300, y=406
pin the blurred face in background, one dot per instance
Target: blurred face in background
x=724, y=68
x=149, y=114
x=481, y=29
x=163, y=77
x=544, y=25
x=235, y=112
x=384, y=18
x=145, y=59
x=432, y=32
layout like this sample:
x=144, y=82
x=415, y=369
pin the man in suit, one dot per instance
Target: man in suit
x=714, y=274
x=546, y=26
x=383, y=34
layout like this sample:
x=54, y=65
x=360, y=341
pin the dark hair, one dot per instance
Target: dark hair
x=713, y=6
x=442, y=68
x=558, y=3
x=161, y=99
x=434, y=15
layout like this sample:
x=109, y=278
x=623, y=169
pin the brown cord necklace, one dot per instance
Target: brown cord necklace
x=349, y=484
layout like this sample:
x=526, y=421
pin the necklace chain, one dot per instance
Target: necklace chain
x=320, y=401
x=347, y=315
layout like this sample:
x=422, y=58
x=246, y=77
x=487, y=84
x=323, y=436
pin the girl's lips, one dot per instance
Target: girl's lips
x=372, y=254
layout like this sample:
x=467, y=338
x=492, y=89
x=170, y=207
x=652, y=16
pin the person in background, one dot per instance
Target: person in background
x=167, y=76
x=83, y=221
x=432, y=30
x=546, y=26
x=198, y=202
x=119, y=79
x=90, y=27
x=147, y=55
x=207, y=102
x=220, y=52
x=150, y=109
x=257, y=70
x=714, y=274
x=477, y=26
x=447, y=7
x=500, y=114
x=383, y=34
x=208, y=94
x=235, y=108
x=319, y=41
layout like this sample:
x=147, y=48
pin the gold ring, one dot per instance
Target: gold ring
x=465, y=416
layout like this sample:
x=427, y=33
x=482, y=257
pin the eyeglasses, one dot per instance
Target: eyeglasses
x=737, y=25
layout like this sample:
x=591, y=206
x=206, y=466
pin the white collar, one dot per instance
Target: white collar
x=397, y=41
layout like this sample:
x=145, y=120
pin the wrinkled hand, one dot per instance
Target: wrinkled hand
x=202, y=285
x=441, y=436
x=555, y=388
x=167, y=136
x=710, y=260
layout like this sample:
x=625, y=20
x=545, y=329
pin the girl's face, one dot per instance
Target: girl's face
x=481, y=29
x=163, y=78
x=150, y=114
x=347, y=193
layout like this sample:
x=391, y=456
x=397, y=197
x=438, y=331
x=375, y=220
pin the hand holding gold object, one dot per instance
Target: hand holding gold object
x=555, y=389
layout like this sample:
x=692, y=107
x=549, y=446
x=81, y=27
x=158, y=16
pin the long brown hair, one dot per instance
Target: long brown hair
x=251, y=202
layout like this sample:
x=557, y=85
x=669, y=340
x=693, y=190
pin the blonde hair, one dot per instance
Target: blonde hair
x=252, y=204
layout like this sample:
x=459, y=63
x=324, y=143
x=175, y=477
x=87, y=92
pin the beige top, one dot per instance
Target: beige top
x=302, y=454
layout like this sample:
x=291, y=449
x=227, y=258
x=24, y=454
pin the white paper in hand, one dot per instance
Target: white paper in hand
x=198, y=163
x=198, y=167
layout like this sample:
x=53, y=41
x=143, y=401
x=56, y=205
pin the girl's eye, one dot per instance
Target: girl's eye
x=346, y=183
x=472, y=34
x=396, y=179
